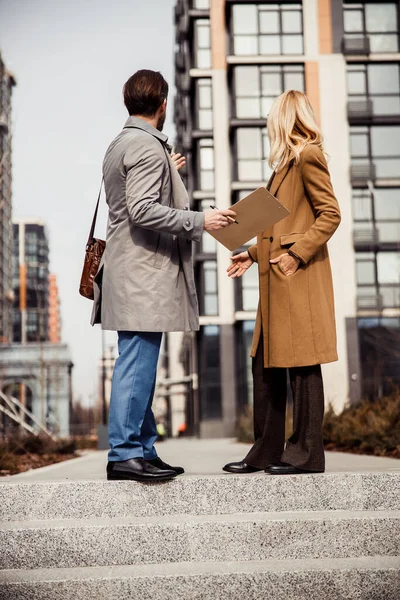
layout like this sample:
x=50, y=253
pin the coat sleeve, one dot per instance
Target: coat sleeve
x=318, y=185
x=253, y=252
x=145, y=168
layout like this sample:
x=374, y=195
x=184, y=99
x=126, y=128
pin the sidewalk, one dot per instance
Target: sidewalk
x=199, y=457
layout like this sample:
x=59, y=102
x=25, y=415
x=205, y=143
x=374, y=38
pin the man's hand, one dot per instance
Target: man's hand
x=288, y=264
x=215, y=220
x=178, y=160
x=240, y=263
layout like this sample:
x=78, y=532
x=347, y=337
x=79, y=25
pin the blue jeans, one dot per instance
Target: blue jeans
x=132, y=428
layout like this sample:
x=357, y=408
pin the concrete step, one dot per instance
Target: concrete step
x=190, y=538
x=365, y=578
x=199, y=495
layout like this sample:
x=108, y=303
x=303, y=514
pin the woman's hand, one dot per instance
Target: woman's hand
x=288, y=264
x=178, y=160
x=240, y=263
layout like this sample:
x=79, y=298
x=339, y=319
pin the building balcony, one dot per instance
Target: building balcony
x=364, y=239
x=371, y=302
x=183, y=82
x=360, y=109
x=356, y=46
x=361, y=174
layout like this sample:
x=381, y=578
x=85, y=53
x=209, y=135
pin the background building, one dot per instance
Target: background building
x=233, y=58
x=31, y=282
x=36, y=368
x=7, y=82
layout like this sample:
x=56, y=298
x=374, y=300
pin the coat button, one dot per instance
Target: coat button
x=187, y=223
x=271, y=239
x=186, y=208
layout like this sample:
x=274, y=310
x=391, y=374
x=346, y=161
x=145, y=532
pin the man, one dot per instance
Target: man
x=145, y=284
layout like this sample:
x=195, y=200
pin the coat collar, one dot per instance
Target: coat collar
x=278, y=178
x=139, y=123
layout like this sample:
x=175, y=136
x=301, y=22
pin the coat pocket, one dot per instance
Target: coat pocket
x=290, y=238
x=160, y=250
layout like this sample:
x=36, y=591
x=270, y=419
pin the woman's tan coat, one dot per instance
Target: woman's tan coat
x=296, y=313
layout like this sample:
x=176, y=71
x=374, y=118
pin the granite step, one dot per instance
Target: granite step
x=201, y=538
x=200, y=495
x=364, y=578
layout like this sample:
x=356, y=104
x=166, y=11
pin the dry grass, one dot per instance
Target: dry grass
x=21, y=453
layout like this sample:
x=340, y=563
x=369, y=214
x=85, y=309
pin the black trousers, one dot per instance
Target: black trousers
x=304, y=449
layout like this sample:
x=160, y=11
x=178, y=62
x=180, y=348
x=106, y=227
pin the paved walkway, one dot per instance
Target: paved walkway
x=199, y=457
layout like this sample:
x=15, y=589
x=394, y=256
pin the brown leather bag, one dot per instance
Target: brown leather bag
x=94, y=251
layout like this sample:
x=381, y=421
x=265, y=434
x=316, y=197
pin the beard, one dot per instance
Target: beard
x=161, y=121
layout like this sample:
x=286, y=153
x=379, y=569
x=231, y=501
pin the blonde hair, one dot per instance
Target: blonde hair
x=291, y=126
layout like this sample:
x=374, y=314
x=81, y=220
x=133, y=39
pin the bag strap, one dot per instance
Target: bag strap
x=91, y=233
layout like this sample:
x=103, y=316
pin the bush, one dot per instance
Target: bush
x=364, y=428
x=25, y=451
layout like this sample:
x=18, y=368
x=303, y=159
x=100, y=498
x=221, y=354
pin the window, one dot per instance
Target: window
x=377, y=21
x=378, y=280
x=265, y=29
x=208, y=287
x=377, y=83
x=250, y=289
x=202, y=44
x=201, y=4
x=379, y=355
x=378, y=214
x=252, y=150
x=204, y=103
x=257, y=87
x=209, y=371
x=208, y=244
x=378, y=145
x=206, y=164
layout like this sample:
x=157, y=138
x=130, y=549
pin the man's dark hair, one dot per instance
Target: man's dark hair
x=144, y=92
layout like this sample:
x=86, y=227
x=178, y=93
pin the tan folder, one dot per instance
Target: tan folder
x=255, y=213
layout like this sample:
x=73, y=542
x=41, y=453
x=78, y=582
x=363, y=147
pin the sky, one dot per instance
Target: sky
x=71, y=59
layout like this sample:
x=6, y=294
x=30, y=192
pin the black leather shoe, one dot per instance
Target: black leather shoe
x=137, y=469
x=160, y=464
x=240, y=467
x=286, y=469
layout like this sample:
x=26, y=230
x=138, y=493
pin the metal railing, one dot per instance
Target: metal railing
x=363, y=173
x=360, y=109
x=356, y=45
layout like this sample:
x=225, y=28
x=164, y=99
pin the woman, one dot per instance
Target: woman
x=295, y=326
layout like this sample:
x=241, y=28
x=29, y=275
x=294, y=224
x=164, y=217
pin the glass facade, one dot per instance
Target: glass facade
x=37, y=283
x=374, y=112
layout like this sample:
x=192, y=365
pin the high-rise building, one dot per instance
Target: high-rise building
x=233, y=58
x=30, y=282
x=7, y=82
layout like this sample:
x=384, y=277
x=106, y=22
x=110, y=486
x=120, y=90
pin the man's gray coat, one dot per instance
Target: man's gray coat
x=145, y=281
